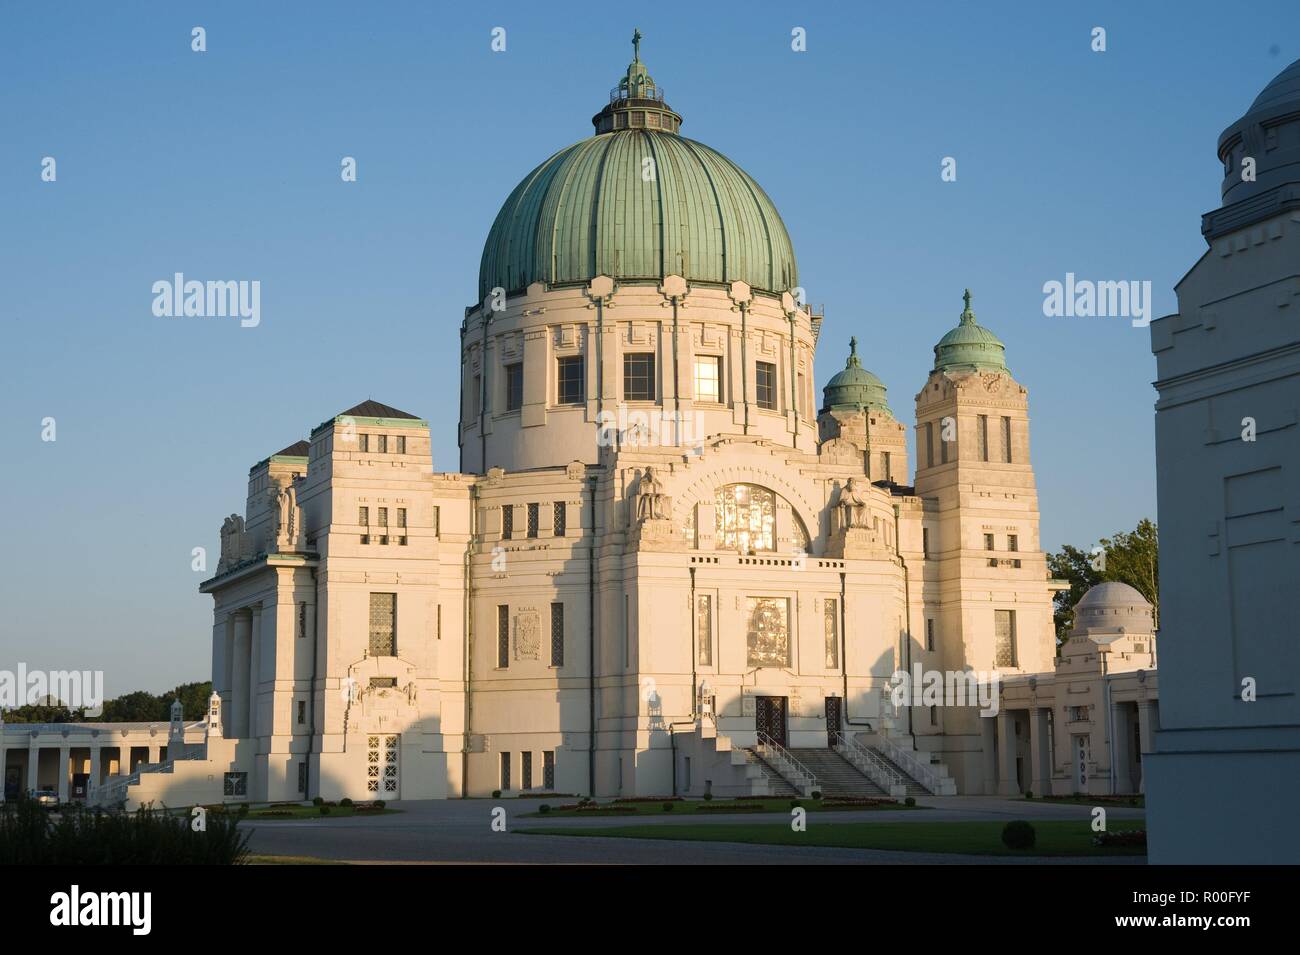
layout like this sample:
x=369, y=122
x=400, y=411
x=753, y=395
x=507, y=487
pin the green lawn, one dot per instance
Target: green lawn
x=1110, y=802
x=1055, y=838
x=715, y=807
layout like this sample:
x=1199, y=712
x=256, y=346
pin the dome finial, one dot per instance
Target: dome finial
x=967, y=316
x=636, y=44
x=853, y=351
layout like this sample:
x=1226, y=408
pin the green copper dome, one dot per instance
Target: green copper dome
x=637, y=202
x=854, y=388
x=969, y=346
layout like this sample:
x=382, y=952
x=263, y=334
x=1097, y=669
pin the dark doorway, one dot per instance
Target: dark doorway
x=12, y=776
x=769, y=717
x=833, y=720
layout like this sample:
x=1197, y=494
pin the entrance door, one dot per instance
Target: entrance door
x=381, y=767
x=833, y=722
x=769, y=717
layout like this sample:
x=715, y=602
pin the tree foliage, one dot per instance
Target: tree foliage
x=1131, y=557
x=140, y=706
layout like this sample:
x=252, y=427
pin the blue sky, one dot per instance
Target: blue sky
x=225, y=165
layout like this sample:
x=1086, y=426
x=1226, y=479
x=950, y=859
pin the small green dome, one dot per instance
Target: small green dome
x=970, y=346
x=855, y=388
x=637, y=202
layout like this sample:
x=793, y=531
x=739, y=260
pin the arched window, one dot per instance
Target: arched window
x=745, y=519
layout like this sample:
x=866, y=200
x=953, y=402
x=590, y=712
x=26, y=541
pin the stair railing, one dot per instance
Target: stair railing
x=872, y=766
x=906, y=760
x=780, y=759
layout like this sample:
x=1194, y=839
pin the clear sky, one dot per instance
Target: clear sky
x=225, y=165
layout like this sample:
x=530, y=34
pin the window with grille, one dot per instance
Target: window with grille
x=235, y=784
x=569, y=380
x=437, y=521
x=383, y=625
x=401, y=525
x=889, y=470
x=1004, y=638
x=526, y=770
x=548, y=770
x=708, y=378
x=988, y=546
x=557, y=634
x=929, y=635
x=984, y=437
x=1006, y=440
x=302, y=619
x=401, y=444
x=558, y=519
x=831, y=632
x=302, y=777
x=363, y=441
x=383, y=525
x=503, y=635
x=381, y=443
x=765, y=384
x=929, y=444
x=925, y=542
x=704, y=628
x=381, y=765
x=514, y=386
x=533, y=511
x=505, y=772
x=639, y=377
x=302, y=712
x=507, y=521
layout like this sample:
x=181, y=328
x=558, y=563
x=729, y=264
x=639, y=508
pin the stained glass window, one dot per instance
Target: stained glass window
x=746, y=518
x=768, y=637
x=1004, y=638
x=704, y=627
x=383, y=625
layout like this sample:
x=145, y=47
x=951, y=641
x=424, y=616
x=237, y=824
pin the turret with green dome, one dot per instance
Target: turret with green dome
x=970, y=346
x=854, y=388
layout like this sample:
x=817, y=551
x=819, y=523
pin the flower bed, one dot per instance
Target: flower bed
x=1121, y=838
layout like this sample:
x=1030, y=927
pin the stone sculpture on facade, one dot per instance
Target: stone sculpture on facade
x=232, y=543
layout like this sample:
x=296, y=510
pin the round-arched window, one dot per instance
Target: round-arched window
x=745, y=519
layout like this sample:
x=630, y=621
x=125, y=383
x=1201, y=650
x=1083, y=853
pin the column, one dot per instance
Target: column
x=96, y=768
x=1148, y=721
x=1008, y=785
x=988, y=732
x=153, y=755
x=33, y=765
x=239, y=708
x=1119, y=741
x=1039, y=752
x=64, y=753
x=254, y=670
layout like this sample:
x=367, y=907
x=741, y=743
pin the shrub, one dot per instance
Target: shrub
x=29, y=836
x=1019, y=835
x=379, y=804
x=496, y=794
x=318, y=801
x=708, y=796
x=817, y=794
x=243, y=809
x=909, y=801
x=668, y=807
x=1029, y=794
x=324, y=810
x=345, y=801
x=544, y=808
x=795, y=804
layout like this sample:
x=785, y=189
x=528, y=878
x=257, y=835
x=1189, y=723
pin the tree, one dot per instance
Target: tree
x=1131, y=557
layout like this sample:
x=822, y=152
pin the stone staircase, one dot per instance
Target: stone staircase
x=913, y=787
x=777, y=785
x=836, y=776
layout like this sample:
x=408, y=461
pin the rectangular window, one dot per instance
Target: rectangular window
x=302, y=712
x=557, y=634
x=383, y=625
x=831, y=632
x=944, y=441
x=988, y=546
x=984, y=437
x=798, y=394
x=401, y=444
x=765, y=384
x=639, y=377
x=526, y=770
x=768, y=631
x=363, y=516
x=302, y=777
x=1004, y=638
x=548, y=770
x=476, y=397
x=383, y=517
x=505, y=771
x=533, y=517
x=929, y=444
x=929, y=635
x=708, y=378
x=1006, y=440
x=569, y=380
x=889, y=467
x=401, y=525
x=364, y=441
x=302, y=619
x=934, y=716
x=507, y=521
x=235, y=784
x=437, y=521
x=439, y=621
x=558, y=519
x=503, y=635
x=925, y=542
x=514, y=386
x=1013, y=542
x=704, y=628
x=381, y=443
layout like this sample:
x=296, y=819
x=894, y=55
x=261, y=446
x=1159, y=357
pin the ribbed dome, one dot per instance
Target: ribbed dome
x=854, y=388
x=1283, y=88
x=1112, y=605
x=1269, y=136
x=637, y=203
x=969, y=346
